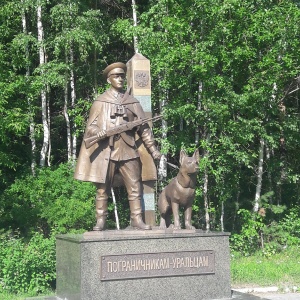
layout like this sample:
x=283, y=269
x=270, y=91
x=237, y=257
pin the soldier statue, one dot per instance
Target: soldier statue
x=99, y=162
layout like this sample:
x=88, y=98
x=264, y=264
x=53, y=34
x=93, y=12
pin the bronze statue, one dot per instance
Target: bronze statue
x=180, y=192
x=98, y=162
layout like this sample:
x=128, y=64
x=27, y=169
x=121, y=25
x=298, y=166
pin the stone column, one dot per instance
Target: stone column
x=139, y=79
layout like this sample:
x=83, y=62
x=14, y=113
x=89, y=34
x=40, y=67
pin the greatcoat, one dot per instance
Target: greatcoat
x=104, y=114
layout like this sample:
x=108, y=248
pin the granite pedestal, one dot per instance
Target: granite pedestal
x=143, y=265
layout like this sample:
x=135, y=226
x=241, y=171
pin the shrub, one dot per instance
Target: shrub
x=247, y=241
x=270, y=236
x=51, y=200
x=54, y=201
x=291, y=225
x=27, y=267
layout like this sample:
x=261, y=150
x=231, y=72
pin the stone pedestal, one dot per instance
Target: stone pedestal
x=143, y=265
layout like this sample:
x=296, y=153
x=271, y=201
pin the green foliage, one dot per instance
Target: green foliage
x=290, y=224
x=248, y=240
x=27, y=266
x=51, y=200
x=223, y=70
x=38, y=207
x=54, y=201
x=79, y=113
x=260, y=232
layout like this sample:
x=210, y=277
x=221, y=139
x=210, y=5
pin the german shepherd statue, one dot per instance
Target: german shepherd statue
x=180, y=192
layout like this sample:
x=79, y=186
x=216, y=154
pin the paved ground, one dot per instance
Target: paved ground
x=235, y=296
x=269, y=293
x=265, y=296
x=244, y=296
x=278, y=296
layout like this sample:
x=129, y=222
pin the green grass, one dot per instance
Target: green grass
x=8, y=296
x=281, y=270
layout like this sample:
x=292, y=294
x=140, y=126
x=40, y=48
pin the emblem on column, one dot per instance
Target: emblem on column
x=141, y=78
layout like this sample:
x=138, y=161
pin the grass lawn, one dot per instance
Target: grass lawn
x=6, y=296
x=281, y=270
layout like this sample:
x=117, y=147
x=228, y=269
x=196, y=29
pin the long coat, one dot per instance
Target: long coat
x=93, y=163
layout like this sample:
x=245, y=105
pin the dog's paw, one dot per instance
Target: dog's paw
x=162, y=227
x=190, y=227
x=178, y=227
x=162, y=224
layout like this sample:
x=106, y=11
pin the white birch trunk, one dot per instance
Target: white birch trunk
x=206, y=135
x=282, y=111
x=95, y=62
x=134, y=16
x=43, y=92
x=49, y=128
x=261, y=158
x=162, y=169
x=222, y=216
x=237, y=206
x=205, y=184
x=66, y=114
x=73, y=102
x=205, y=197
x=199, y=105
x=33, y=143
x=31, y=120
x=259, y=175
x=268, y=157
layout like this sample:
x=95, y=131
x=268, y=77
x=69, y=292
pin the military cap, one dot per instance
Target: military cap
x=117, y=65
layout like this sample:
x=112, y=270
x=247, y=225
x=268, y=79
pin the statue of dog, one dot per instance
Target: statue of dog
x=180, y=192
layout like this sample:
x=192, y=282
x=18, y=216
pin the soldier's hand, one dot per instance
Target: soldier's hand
x=101, y=134
x=156, y=155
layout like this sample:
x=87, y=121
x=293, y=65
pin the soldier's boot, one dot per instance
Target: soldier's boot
x=136, y=220
x=101, y=213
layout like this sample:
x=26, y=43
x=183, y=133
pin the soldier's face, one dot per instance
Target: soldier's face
x=116, y=79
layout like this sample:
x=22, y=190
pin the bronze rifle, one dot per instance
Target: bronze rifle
x=90, y=141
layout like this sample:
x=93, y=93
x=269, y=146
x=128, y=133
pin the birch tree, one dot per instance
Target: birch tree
x=44, y=104
x=259, y=175
x=73, y=101
x=77, y=39
x=134, y=16
x=29, y=97
x=66, y=113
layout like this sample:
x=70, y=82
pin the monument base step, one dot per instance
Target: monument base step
x=135, y=264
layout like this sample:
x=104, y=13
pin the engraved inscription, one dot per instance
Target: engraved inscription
x=163, y=264
x=141, y=79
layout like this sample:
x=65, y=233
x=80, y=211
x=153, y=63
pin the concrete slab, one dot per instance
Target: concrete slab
x=278, y=296
x=242, y=296
x=235, y=296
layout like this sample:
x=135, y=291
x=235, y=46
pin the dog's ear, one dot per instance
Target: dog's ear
x=182, y=156
x=196, y=155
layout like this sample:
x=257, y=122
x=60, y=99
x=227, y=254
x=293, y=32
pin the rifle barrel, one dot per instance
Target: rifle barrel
x=119, y=129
